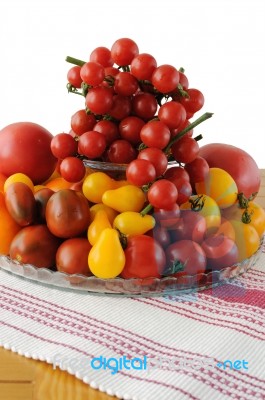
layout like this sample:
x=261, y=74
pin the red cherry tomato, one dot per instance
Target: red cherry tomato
x=162, y=194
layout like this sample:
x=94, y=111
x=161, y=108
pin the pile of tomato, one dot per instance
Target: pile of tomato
x=180, y=209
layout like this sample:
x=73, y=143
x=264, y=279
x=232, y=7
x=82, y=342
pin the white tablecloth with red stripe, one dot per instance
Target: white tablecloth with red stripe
x=184, y=339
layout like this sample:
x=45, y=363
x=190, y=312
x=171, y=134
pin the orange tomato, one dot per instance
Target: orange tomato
x=58, y=183
x=254, y=215
x=247, y=239
x=8, y=227
x=2, y=181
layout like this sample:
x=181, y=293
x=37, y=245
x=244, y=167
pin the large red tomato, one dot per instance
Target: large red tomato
x=237, y=162
x=25, y=147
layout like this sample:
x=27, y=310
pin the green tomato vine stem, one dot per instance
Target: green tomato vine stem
x=197, y=122
x=74, y=61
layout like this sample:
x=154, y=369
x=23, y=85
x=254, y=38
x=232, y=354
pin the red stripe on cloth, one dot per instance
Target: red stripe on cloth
x=234, y=294
x=260, y=335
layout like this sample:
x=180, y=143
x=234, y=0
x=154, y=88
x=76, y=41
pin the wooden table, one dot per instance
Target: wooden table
x=25, y=379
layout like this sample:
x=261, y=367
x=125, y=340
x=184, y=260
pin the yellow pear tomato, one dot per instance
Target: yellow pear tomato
x=99, y=223
x=133, y=223
x=106, y=259
x=125, y=198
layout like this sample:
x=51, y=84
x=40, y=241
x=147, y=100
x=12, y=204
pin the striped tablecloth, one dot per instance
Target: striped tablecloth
x=205, y=345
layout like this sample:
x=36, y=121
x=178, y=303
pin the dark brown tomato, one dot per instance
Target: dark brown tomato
x=72, y=256
x=35, y=245
x=20, y=203
x=67, y=213
x=41, y=197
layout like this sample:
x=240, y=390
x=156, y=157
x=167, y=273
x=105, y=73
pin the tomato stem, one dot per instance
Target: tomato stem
x=198, y=121
x=74, y=61
x=146, y=210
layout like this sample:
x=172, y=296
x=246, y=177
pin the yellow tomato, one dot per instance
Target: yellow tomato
x=19, y=177
x=125, y=198
x=220, y=186
x=207, y=207
x=99, y=223
x=95, y=185
x=106, y=259
x=253, y=214
x=247, y=239
x=133, y=223
x=112, y=214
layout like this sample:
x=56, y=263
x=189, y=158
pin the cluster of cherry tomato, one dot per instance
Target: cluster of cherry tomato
x=135, y=113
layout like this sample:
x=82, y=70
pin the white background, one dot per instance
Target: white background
x=220, y=43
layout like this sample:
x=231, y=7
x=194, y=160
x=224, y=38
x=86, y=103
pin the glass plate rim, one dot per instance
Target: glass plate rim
x=133, y=286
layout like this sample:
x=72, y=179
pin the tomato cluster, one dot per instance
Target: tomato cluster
x=134, y=109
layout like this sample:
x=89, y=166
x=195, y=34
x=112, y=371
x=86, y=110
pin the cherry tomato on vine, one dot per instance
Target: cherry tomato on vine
x=140, y=172
x=92, y=73
x=125, y=84
x=72, y=169
x=143, y=65
x=121, y=152
x=92, y=144
x=123, y=51
x=144, y=105
x=176, y=173
x=102, y=56
x=165, y=78
x=63, y=145
x=185, y=150
x=73, y=76
x=198, y=169
x=121, y=107
x=82, y=122
x=130, y=128
x=157, y=157
x=162, y=194
x=99, y=100
x=173, y=114
x=107, y=128
x=155, y=134
x=194, y=102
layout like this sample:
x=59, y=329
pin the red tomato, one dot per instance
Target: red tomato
x=190, y=225
x=26, y=147
x=145, y=258
x=162, y=194
x=72, y=256
x=185, y=257
x=238, y=163
x=35, y=245
x=221, y=252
